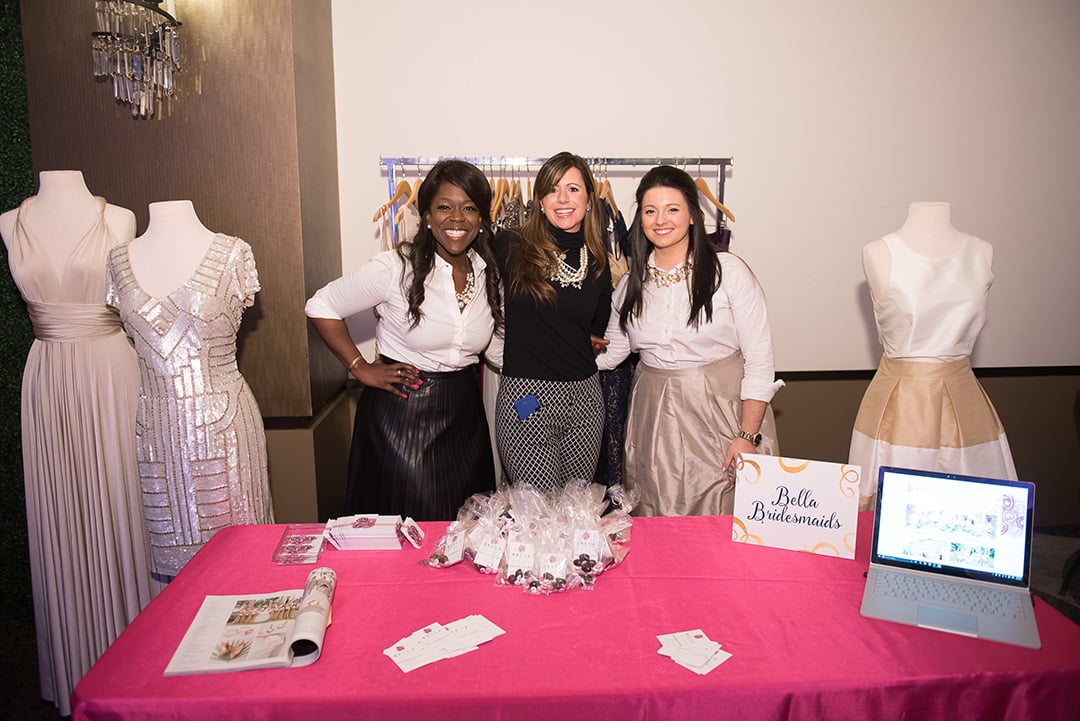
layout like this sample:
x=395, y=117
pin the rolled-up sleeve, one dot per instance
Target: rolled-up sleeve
x=752, y=328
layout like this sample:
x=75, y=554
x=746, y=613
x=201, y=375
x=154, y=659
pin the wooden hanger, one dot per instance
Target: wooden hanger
x=411, y=202
x=607, y=195
x=703, y=188
x=502, y=188
x=401, y=191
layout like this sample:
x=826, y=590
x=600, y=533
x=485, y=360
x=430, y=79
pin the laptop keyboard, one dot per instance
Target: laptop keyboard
x=977, y=599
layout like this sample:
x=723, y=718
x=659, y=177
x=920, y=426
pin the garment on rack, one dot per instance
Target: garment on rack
x=386, y=231
x=512, y=216
x=721, y=237
x=924, y=408
x=88, y=561
x=199, y=439
x=409, y=225
x=615, y=383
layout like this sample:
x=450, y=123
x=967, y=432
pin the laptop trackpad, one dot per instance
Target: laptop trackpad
x=945, y=619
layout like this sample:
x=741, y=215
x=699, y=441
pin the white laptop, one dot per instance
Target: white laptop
x=953, y=553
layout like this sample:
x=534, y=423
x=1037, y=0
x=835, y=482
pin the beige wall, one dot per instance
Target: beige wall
x=838, y=114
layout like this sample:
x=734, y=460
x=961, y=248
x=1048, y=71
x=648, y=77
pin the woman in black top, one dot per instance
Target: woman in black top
x=549, y=412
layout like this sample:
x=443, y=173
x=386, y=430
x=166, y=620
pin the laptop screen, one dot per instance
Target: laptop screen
x=956, y=525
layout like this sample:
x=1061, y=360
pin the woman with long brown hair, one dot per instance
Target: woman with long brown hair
x=549, y=413
x=702, y=389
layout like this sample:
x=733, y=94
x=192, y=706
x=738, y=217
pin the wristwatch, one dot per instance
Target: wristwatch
x=754, y=438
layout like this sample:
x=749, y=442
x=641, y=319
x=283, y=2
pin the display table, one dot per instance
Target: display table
x=801, y=649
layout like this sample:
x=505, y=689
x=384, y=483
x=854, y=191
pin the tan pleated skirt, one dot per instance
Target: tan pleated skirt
x=930, y=416
x=680, y=426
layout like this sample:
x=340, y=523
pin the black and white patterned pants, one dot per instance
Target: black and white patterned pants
x=560, y=440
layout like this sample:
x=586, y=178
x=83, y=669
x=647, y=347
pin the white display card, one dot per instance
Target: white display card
x=796, y=504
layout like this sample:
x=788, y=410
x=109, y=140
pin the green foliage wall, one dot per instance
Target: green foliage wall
x=16, y=183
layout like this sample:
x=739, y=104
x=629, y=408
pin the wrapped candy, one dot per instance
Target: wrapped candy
x=542, y=542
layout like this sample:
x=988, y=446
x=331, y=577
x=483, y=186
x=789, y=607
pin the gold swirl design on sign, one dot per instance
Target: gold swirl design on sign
x=745, y=536
x=741, y=465
x=849, y=542
x=792, y=468
x=821, y=547
x=849, y=481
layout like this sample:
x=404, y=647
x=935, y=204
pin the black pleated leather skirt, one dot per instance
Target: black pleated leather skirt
x=421, y=456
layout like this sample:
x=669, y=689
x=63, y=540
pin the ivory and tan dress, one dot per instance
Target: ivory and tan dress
x=88, y=560
x=924, y=408
x=200, y=442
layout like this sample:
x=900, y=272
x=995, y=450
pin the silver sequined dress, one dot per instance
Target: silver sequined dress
x=200, y=443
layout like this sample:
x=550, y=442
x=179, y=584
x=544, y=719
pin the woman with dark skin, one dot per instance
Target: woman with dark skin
x=420, y=441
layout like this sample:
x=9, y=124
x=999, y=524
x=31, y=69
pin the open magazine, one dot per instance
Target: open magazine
x=269, y=630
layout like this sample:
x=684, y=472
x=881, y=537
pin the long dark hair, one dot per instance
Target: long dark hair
x=704, y=281
x=419, y=253
x=537, y=250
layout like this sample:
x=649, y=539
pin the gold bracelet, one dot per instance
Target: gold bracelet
x=355, y=362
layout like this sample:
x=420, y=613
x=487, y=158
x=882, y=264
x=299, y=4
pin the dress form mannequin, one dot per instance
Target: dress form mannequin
x=172, y=247
x=927, y=230
x=181, y=290
x=925, y=408
x=62, y=210
x=87, y=544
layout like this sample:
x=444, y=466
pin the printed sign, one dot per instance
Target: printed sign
x=801, y=505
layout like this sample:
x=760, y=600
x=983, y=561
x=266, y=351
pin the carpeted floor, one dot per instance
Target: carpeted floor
x=1054, y=550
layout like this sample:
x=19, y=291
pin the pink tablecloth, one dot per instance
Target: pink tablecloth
x=801, y=649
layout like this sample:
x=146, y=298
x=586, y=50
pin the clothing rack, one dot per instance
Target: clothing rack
x=518, y=162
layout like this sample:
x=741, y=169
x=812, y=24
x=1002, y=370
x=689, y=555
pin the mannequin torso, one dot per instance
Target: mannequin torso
x=168, y=253
x=62, y=212
x=928, y=231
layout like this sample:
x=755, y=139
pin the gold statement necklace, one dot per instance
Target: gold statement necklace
x=665, y=278
x=567, y=276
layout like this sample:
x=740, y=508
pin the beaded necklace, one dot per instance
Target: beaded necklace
x=566, y=276
x=665, y=278
x=466, y=293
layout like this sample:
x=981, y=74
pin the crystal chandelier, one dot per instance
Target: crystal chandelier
x=137, y=44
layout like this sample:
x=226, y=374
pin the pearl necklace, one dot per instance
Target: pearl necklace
x=565, y=275
x=665, y=278
x=466, y=294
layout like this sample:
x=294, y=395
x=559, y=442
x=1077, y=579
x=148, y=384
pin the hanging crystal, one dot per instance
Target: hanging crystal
x=137, y=46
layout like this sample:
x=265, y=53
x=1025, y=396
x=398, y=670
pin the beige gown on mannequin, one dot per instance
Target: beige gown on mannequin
x=181, y=290
x=88, y=561
x=924, y=407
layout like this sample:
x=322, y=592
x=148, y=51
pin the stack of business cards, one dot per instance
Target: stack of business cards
x=435, y=642
x=693, y=650
x=364, y=532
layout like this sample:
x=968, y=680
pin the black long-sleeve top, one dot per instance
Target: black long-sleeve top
x=551, y=342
